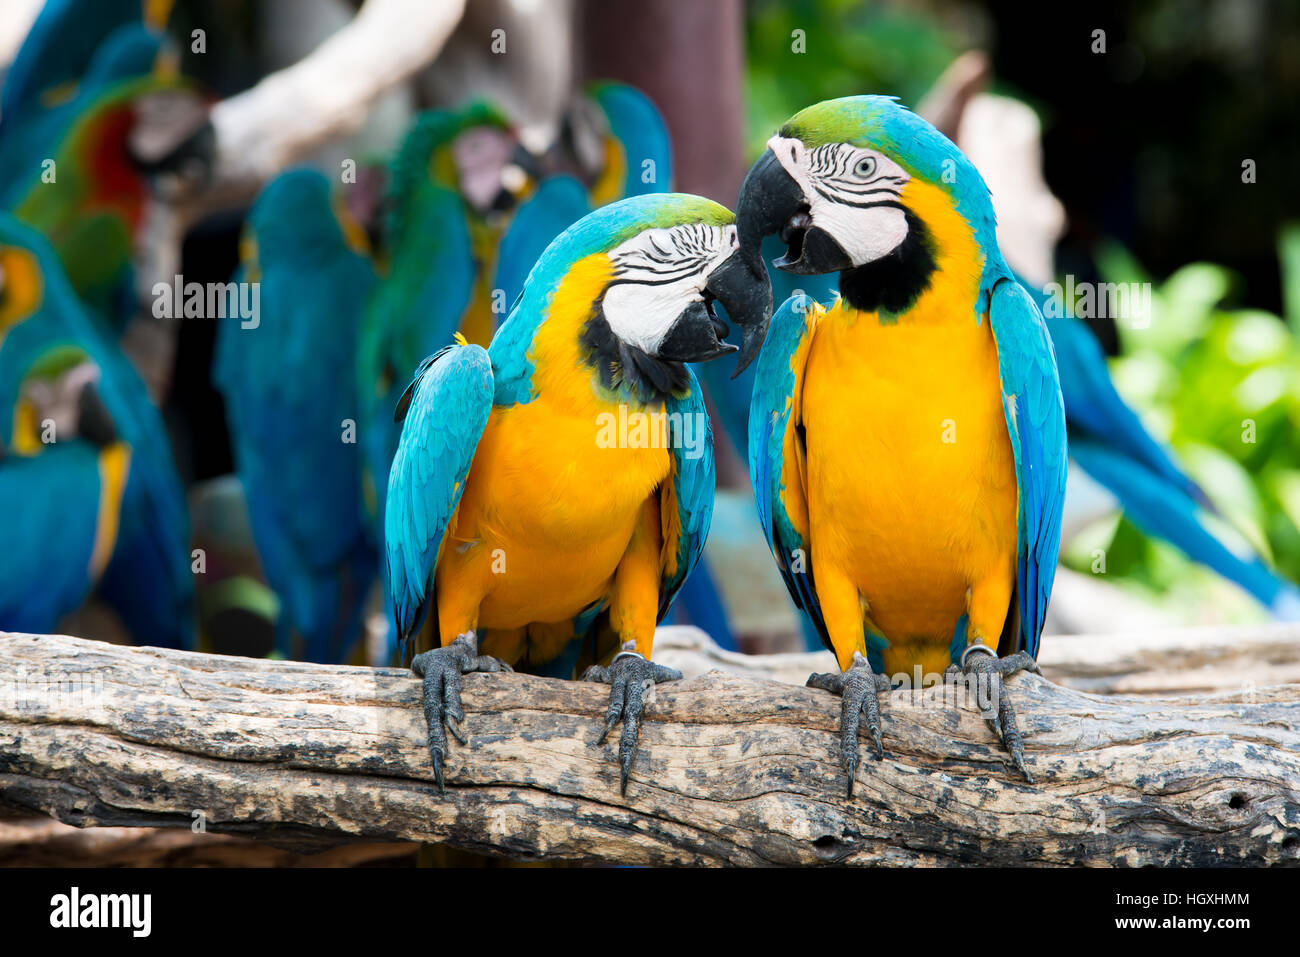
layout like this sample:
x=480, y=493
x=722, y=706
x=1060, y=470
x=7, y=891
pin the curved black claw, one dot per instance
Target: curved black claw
x=990, y=690
x=441, y=669
x=859, y=687
x=630, y=675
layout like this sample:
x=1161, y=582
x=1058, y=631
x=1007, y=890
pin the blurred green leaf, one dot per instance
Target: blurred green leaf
x=849, y=48
x=1222, y=386
x=1289, y=253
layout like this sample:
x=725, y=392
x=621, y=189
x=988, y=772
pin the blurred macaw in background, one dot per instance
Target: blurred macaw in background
x=908, y=444
x=613, y=144
x=446, y=206
x=97, y=503
x=66, y=54
x=101, y=197
x=69, y=162
x=497, y=481
x=32, y=132
x=288, y=378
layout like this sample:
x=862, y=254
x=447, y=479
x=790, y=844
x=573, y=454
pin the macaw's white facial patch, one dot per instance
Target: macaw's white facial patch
x=481, y=154
x=657, y=274
x=57, y=400
x=853, y=194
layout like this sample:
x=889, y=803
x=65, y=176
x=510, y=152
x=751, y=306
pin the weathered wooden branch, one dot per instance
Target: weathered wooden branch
x=731, y=769
x=1165, y=661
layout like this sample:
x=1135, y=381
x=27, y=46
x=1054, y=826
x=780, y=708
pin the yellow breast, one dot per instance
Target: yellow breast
x=910, y=472
x=557, y=483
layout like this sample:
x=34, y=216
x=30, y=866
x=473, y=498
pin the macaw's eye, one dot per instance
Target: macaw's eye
x=865, y=166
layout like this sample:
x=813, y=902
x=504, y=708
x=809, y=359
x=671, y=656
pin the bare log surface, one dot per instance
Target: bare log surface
x=732, y=770
x=1166, y=661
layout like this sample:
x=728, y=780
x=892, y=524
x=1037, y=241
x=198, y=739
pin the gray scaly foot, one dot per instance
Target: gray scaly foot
x=990, y=671
x=630, y=675
x=859, y=688
x=441, y=669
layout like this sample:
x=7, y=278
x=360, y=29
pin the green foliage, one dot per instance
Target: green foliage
x=850, y=48
x=1222, y=387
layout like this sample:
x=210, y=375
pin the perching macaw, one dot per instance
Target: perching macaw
x=618, y=142
x=538, y=502
x=1109, y=443
x=55, y=543
x=289, y=383
x=907, y=445
x=87, y=466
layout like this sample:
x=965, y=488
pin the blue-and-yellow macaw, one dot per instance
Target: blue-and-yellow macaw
x=907, y=445
x=460, y=251
x=289, y=383
x=554, y=491
x=87, y=466
x=616, y=140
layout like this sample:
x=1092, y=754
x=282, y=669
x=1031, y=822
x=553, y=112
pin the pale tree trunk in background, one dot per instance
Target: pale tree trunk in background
x=16, y=18
x=689, y=59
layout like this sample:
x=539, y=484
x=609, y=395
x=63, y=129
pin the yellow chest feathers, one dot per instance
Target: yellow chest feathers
x=573, y=465
x=910, y=474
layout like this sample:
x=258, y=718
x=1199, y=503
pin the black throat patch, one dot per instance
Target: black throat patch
x=626, y=369
x=894, y=282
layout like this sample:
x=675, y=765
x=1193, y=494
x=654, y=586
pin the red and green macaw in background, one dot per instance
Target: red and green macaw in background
x=72, y=104
x=66, y=54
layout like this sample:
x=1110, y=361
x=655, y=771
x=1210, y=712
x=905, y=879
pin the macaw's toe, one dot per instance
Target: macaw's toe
x=980, y=664
x=441, y=669
x=629, y=675
x=859, y=688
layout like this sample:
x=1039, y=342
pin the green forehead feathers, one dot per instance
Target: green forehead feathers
x=882, y=124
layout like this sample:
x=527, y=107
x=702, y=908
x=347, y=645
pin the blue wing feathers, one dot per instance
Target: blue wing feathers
x=769, y=420
x=449, y=408
x=1036, y=424
x=693, y=486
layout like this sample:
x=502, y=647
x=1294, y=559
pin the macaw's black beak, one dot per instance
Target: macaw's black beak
x=94, y=422
x=699, y=334
x=173, y=142
x=772, y=203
